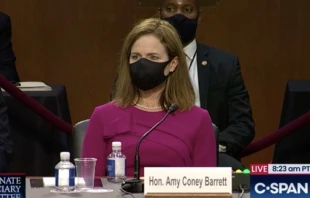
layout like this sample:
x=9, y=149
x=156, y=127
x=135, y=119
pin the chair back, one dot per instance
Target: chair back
x=216, y=133
x=79, y=130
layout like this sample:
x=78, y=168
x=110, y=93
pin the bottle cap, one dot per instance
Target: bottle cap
x=116, y=144
x=238, y=171
x=64, y=156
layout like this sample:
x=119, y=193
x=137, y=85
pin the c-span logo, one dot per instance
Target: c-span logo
x=280, y=186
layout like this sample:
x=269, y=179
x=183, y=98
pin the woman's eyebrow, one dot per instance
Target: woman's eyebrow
x=152, y=54
x=135, y=53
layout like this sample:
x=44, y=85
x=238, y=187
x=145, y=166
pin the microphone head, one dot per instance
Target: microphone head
x=173, y=108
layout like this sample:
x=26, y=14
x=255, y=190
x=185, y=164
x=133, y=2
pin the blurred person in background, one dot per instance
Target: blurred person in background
x=7, y=57
x=152, y=76
x=217, y=81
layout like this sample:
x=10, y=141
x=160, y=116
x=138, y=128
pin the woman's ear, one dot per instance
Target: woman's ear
x=173, y=64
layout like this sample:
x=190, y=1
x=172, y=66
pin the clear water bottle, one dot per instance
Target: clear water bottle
x=116, y=164
x=65, y=173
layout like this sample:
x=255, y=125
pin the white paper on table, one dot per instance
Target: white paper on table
x=33, y=86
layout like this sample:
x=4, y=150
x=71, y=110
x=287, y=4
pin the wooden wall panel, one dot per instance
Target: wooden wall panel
x=73, y=42
x=76, y=43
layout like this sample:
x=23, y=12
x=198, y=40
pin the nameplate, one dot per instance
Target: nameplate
x=188, y=180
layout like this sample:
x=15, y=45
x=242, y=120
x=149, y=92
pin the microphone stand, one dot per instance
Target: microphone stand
x=136, y=185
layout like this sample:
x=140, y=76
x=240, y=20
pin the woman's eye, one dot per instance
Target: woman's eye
x=134, y=57
x=154, y=57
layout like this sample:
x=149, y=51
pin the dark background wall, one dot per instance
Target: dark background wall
x=76, y=43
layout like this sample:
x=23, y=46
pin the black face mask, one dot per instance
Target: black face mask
x=146, y=75
x=186, y=27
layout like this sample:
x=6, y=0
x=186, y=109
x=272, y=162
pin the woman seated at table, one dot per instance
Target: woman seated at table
x=153, y=75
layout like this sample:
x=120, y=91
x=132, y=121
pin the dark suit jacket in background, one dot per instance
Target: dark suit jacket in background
x=7, y=57
x=223, y=94
x=5, y=136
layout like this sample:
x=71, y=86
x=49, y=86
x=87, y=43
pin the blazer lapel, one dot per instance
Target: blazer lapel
x=208, y=73
x=203, y=74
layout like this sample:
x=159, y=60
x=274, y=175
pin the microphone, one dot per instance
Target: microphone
x=136, y=185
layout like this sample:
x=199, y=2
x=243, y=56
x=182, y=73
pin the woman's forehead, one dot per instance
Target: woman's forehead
x=148, y=44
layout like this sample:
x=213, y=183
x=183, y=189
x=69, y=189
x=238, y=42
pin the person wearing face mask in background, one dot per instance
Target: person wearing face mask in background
x=217, y=81
x=152, y=76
